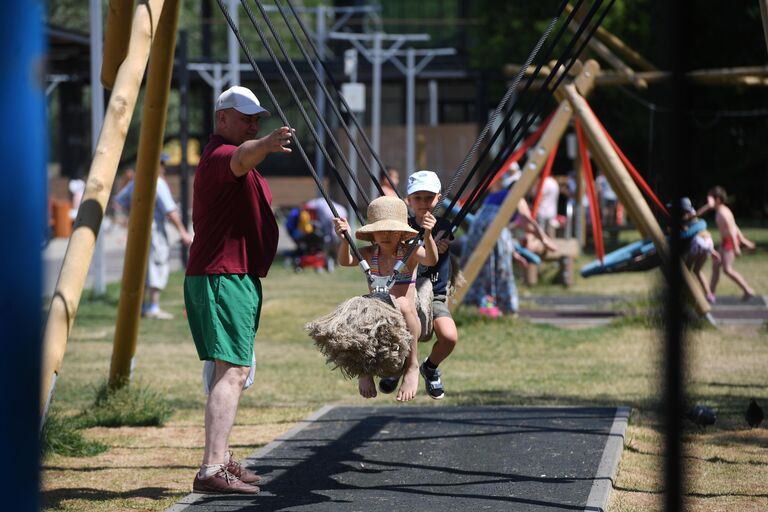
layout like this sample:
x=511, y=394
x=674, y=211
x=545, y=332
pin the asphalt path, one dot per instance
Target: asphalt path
x=409, y=458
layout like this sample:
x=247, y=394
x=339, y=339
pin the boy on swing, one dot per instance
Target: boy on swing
x=423, y=195
x=389, y=231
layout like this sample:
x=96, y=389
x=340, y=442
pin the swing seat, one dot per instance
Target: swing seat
x=363, y=336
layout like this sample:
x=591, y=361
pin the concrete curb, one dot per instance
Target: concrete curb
x=609, y=463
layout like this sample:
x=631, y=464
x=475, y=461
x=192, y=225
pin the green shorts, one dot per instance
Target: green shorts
x=223, y=314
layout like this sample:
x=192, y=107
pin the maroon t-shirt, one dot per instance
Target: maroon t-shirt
x=235, y=229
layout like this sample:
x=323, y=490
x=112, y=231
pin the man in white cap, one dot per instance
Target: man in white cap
x=235, y=242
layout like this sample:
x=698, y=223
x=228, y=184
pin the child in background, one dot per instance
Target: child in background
x=732, y=239
x=423, y=195
x=388, y=229
x=701, y=247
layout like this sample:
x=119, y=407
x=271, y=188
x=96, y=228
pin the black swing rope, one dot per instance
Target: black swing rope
x=324, y=89
x=303, y=112
x=336, y=88
x=542, y=96
x=303, y=85
x=497, y=112
x=528, y=117
x=510, y=91
x=363, y=264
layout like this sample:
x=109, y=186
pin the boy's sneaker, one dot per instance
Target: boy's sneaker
x=388, y=385
x=432, y=381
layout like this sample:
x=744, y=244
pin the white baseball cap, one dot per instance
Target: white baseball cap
x=241, y=99
x=423, y=181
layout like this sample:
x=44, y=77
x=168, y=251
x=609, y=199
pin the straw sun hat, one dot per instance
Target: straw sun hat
x=386, y=214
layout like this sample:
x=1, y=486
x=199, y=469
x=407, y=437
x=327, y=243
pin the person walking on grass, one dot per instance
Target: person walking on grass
x=423, y=195
x=389, y=231
x=159, y=262
x=731, y=241
x=235, y=243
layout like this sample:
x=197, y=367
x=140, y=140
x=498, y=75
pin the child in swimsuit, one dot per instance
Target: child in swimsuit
x=389, y=231
x=732, y=239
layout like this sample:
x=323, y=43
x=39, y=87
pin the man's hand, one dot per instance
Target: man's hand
x=186, y=239
x=279, y=139
x=252, y=152
x=442, y=245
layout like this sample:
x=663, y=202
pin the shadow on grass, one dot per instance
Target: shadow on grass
x=54, y=499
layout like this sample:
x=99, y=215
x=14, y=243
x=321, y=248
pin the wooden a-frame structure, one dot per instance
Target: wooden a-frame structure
x=571, y=97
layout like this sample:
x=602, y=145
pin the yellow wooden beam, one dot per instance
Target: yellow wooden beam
x=153, y=118
x=116, y=38
x=617, y=44
x=74, y=269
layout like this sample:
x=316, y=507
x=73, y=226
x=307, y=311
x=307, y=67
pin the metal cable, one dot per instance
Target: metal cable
x=510, y=91
x=485, y=176
x=284, y=119
x=303, y=112
x=304, y=88
x=331, y=102
x=558, y=36
x=543, y=94
x=328, y=73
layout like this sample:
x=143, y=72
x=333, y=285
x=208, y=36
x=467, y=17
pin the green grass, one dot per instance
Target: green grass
x=507, y=361
x=61, y=436
x=133, y=405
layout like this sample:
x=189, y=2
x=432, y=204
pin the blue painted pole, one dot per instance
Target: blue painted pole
x=23, y=211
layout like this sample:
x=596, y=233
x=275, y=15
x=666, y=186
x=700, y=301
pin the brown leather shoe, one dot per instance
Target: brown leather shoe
x=222, y=482
x=240, y=472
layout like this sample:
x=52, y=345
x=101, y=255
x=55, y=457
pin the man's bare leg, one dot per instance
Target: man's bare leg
x=220, y=410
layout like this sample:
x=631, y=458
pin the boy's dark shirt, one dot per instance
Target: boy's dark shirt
x=439, y=272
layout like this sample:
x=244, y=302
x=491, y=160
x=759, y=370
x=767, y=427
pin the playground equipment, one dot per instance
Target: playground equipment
x=152, y=31
x=635, y=257
x=623, y=178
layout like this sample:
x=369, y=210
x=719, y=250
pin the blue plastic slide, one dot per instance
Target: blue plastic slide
x=635, y=257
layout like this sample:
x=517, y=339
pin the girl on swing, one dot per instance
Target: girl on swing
x=389, y=231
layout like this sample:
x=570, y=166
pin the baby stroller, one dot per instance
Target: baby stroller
x=304, y=228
